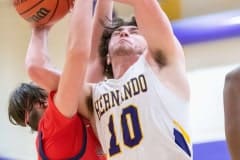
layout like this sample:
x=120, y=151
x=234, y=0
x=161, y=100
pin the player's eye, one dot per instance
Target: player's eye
x=134, y=31
x=115, y=33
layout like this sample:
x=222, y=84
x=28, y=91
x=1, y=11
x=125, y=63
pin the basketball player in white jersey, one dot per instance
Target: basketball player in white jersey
x=142, y=113
x=232, y=112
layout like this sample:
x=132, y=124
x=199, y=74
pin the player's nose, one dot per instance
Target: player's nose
x=124, y=33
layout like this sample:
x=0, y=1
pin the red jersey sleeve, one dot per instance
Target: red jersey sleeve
x=61, y=136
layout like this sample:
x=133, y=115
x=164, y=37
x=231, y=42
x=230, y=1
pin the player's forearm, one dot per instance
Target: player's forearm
x=102, y=14
x=232, y=112
x=37, y=53
x=72, y=81
x=37, y=61
x=80, y=30
x=154, y=25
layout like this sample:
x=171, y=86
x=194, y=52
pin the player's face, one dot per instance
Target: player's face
x=126, y=40
x=41, y=107
x=37, y=109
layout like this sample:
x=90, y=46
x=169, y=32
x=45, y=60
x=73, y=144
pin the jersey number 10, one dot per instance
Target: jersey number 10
x=131, y=130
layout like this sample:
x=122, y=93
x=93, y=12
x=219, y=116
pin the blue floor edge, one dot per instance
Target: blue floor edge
x=216, y=150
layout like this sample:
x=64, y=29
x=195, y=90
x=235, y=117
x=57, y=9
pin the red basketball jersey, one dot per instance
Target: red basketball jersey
x=61, y=137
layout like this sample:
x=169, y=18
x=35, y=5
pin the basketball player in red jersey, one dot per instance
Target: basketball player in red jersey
x=62, y=132
x=232, y=112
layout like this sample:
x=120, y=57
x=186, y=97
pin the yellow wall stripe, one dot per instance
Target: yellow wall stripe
x=172, y=8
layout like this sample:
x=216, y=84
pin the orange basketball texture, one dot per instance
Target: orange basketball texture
x=42, y=12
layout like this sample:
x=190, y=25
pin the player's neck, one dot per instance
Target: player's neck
x=122, y=64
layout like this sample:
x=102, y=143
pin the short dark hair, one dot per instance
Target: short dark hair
x=21, y=100
x=109, y=28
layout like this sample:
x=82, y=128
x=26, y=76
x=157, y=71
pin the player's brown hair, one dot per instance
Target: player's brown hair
x=21, y=100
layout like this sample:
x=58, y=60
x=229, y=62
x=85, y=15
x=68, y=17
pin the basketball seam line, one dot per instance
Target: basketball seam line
x=31, y=7
x=53, y=12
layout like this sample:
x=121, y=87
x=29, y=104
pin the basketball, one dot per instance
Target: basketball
x=42, y=12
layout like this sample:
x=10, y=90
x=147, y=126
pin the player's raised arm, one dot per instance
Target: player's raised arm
x=156, y=28
x=232, y=111
x=102, y=14
x=78, y=50
x=37, y=60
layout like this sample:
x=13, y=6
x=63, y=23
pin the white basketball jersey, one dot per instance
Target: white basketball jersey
x=138, y=118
